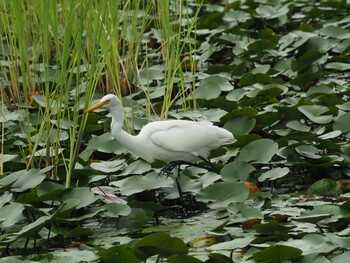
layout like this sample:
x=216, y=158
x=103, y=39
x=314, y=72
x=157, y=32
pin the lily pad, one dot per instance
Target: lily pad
x=160, y=244
x=259, y=151
x=150, y=181
x=277, y=254
x=315, y=113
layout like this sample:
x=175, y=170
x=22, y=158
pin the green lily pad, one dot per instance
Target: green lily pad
x=236, y=170
x=108, y=166
x=211, y=87
x=121, y=253
x=150, y=181
x=28, y=180
x=274, y=174
x=277, y=254
x=83, y=194
x=10, y=214
x=160, y=244
x=342, y=123
x=306, y=59
x=183, y=259
x=315, y=113
x=259, y=151
x=117, y=210
x=325, y=187
x=224, y=192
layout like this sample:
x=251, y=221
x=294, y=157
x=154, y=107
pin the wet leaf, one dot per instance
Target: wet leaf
x=342, y=123
x=325, y=187
x=315, y=113
x=259, y=151
x=236, y=170
x=159, y=244
x=277, y=254
x=117, y=210
x=10, y=214
x=108, y=166
x=83, y=194
x=228, y=192
x=28, y=180
x=233, y=244
x=150, y=181
x=274, y=174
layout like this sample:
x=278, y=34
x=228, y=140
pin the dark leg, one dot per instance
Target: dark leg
x=178, y=184
x=211, y=166
x=170, y=166
x=166, y=170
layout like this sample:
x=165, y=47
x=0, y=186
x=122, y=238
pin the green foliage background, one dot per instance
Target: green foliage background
x=274, y=73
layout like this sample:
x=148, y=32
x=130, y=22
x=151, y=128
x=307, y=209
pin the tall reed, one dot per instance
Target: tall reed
x=58, y=53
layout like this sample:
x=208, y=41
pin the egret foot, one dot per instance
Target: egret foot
x=166, y=170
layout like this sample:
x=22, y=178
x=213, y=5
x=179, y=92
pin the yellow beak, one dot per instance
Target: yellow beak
x=96, y=106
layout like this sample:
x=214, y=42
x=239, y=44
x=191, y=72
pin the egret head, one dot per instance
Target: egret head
x=107, y=101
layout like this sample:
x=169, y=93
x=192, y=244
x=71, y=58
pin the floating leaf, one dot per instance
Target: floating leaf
x=211, y=87
x=225, y=192
x=236, y=170
x=240, y=125
x=330, y=135
x=308, y=151
x=335, y=31
x=338, y=66
x=137, y=167
x=298, y=126
x=325, y=187
x=5, y=198
x=183, y=259
x=312, y=244
x=121, y=254
x=8, y=157
x=344, y=257
x=117, y=210
x=236, y=16
x=28, y=180
x=277, y=254
x=150, y=181
x=105, y=143
x=233, y=244
x=48, y=190
x=10, y=214
x=342, y=123
x=270, y=12
x=159, y=244
x=79, y=232
x=108, y=166
x=314, y=113
x=272, y=227
x=306, y=59
x=274, y=174
x=75, y=256
x=83, y=194
x=259, y=151
x=261, y=44
x=30, y=229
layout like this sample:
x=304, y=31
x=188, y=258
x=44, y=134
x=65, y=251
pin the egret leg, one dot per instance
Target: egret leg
x=166, y=170
x=211, y=167
x=170, y=166
x=178, y=184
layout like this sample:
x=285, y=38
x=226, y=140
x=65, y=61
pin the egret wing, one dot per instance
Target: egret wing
x=191, y=137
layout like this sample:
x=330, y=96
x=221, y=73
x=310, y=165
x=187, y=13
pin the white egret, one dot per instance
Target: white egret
x=172, y=141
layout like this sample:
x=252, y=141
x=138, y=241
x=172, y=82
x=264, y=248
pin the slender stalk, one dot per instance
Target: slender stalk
x=2, y=135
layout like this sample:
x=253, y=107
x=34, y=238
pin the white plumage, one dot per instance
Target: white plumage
x=170, y=140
